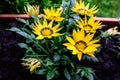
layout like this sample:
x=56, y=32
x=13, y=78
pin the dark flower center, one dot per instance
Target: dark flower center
x=80, y=45
x=87, y=26
x=46, y=31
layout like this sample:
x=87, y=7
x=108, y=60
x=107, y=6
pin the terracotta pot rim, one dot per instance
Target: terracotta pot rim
x=13, y=16
x=111, y=22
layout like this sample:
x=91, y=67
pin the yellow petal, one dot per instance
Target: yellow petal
x=49, y=37
x=91, y=54
x=88, y=37
x=95, y=45
x=81, y=35
x=92, y=42
x=75, y=51
x=39, y=37
x=46, y=11
x=45, y=23
x=71, y=47
x=90, y=49
x=57, y=34
x=67, y=44
x=60, y=19
x=50, y=24
x=74, y=35
x=32, y=68
x=55, y=27
x=79, y=55
x=70, y=40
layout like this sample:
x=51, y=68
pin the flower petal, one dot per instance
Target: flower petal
x=56, y=34
x=71, y=47
x=89, y=49
x=79, y=55
x=70, y=40
x=88, y=37
x=81, y=34
x=45, y=23
x=92, y=42
x=39, y=37
x=75, y=51
x=91, y=54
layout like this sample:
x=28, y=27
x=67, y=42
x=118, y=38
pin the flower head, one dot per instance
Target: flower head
x=46, y=30
x=81, y=8
x=112, y=31
x=81, y=44
x=89, y=25
x=31, y=63
x=32, y=10
x=53, y=14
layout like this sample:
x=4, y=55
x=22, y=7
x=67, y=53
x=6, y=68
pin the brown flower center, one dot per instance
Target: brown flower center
x=88, y=27
x=46, y=31
x=82, y=9
x=80, y=45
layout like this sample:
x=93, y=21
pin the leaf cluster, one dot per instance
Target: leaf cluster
x=57, y=62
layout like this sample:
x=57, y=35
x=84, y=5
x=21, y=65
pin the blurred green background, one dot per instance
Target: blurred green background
x=107, y=8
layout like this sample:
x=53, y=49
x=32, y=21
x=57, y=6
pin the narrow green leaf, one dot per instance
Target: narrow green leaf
x=22, y=45
x=41, y=71
x=21, y=20
x=67, y=74
x=15, y=29
x=20, y=32
x=51, y=74
x=49, y=63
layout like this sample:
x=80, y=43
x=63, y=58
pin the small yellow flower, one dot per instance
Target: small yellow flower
x=31, y=63
x=32, y=10
x=81, y=8
x=46, y=30
x=89, y=25
x=81, y=44
x=112, y=31
x=53, y=14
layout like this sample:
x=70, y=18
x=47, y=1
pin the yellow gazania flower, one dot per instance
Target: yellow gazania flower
x=32, y=10
x=81, y=44
x=53, y=14
x=46, y=30
x=81, y=8
x=31, y=63
x=89, y=25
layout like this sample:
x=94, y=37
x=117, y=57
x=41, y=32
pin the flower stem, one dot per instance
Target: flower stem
x=36, y=42
x=48, y=46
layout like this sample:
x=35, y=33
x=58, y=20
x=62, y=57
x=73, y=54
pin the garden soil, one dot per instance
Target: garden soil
x=108, y=67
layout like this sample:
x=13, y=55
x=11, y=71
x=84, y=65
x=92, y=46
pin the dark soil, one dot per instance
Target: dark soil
x=108, y=67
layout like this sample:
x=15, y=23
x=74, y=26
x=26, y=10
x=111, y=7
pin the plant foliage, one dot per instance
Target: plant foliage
x=58, y=42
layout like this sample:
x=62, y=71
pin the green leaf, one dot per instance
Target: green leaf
x=27, y=22
x=49, y=63
x=51, y=74
x=67, y=74
x=22, y=33
x=21, y=20
x=22, y=45
x=17, y=30
x=87, y=72
x=64, y=57
x=56, y=58
x=42, y=71
x=77, y=77
x=90, y=58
